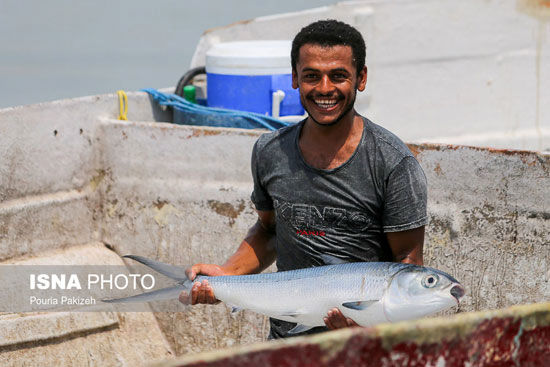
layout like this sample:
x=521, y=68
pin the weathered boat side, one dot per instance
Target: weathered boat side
x=49, y=206
x=517, y=336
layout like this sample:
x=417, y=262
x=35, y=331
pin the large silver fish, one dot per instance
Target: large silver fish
x=367, y=292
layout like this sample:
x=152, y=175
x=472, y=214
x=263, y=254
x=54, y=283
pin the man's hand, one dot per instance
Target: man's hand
x=201, y=292
x=336, y=320
x=255, y=253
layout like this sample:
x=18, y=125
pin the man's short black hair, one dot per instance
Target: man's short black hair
x=328, y=33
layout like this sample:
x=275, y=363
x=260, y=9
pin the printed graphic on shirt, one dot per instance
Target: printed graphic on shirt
x=316, y=220
x=303, y=232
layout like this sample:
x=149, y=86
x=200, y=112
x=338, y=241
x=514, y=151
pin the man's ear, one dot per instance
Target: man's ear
x=294, y=79
x=362, y=79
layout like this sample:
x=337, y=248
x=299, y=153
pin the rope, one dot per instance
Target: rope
x=175, y=101
x=122, y=105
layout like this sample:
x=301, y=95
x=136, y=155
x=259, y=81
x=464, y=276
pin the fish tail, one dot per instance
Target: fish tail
x=158, y=295
x=182, y=289
x=171, y=271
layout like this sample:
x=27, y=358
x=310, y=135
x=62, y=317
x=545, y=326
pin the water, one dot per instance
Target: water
x=65, y=48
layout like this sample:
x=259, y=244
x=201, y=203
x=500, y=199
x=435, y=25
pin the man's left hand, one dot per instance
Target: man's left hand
x=336, y=320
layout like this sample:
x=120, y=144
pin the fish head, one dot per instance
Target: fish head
x=418, y=291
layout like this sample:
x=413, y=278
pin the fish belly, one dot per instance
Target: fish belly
x=295, y=301
x=303, y=301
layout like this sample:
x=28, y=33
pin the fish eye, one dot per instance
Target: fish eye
x=430, y=280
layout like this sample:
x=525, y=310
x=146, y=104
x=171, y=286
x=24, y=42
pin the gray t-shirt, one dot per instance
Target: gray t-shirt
x=344, y=212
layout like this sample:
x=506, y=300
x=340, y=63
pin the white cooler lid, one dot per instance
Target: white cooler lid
x=266, y=57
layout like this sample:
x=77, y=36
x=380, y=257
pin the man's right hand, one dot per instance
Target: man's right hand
x=201, y=292
x=255, y=253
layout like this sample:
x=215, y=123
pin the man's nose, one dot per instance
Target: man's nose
x=325, y=85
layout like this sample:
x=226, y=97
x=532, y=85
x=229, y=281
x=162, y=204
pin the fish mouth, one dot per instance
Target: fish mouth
x=457, y=292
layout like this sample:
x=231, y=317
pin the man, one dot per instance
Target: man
x=334, y=184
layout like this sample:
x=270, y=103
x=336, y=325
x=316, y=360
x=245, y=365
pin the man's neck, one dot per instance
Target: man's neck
x=328, y=147
x=313, y=132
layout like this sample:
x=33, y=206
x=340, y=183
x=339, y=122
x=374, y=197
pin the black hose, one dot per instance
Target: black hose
x=187, y=78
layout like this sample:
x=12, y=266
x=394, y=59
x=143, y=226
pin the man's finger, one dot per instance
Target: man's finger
x=201, y=297
x=210, y=299
x=195, y=293
x=337, y=319
x=328, y=323
x=208, y=292
x=192, y=272
x=185, y=297
x=205, y=291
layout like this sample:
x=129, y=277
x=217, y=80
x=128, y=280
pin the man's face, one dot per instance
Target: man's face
x=328, y=81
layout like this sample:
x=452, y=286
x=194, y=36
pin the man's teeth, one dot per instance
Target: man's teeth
x=326, y=103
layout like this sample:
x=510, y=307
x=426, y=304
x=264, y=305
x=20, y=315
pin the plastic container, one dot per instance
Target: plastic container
x=252, y=76
x=189, y=93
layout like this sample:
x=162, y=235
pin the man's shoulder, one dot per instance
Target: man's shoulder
x=277, y=139
x=386, y=141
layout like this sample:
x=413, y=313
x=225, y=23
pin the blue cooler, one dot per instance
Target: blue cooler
x=252, y=76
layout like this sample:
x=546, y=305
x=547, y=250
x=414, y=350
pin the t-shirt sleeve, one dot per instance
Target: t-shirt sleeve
x=406, y=197
x=260, y=197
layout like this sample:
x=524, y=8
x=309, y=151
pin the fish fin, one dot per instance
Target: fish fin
x=299, y=328
x=158, y=295
x=359, y=305
x=291, y=314
x=171, y=271
x=332, y=260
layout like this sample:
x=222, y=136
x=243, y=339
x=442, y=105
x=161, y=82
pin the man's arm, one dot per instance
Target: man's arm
x=406, y=247
x=255, y=253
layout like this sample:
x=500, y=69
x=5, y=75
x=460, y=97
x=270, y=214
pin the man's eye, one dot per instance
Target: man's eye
x=310, y=76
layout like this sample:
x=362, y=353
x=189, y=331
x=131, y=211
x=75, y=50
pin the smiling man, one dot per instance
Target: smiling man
x=334, y=184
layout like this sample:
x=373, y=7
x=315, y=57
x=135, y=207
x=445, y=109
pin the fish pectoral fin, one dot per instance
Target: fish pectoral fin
x=292, y=313
x=299, y=329
x=359, y=305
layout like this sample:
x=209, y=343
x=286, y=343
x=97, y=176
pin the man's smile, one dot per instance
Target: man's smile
x=324, y=103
